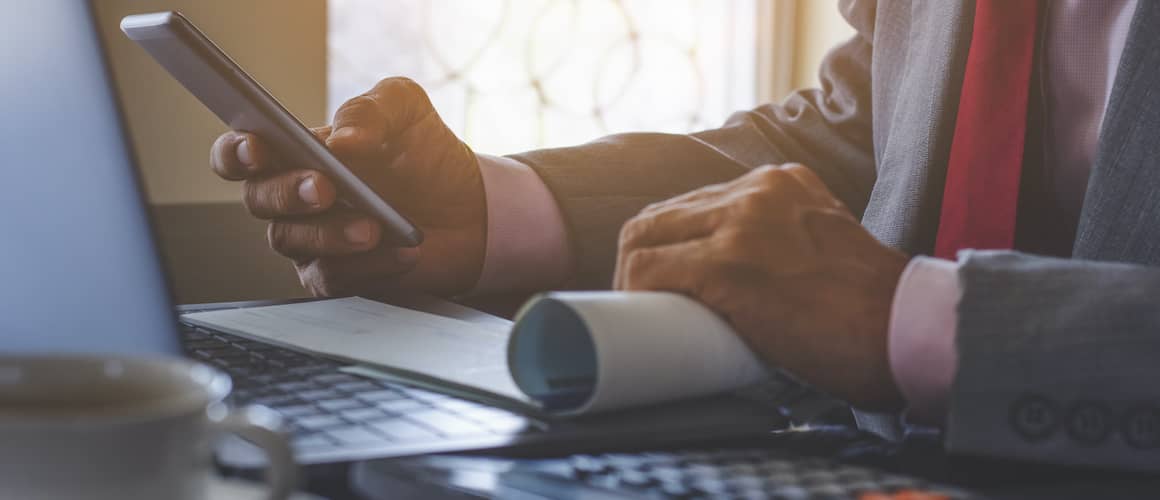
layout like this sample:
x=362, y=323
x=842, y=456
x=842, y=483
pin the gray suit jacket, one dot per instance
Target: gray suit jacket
x=1057, y=356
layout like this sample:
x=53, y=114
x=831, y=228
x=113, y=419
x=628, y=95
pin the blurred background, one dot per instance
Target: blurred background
x=507, y=75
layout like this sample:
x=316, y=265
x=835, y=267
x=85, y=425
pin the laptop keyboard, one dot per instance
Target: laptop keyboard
x=328, y=410
x=822, y=464
x=734, y=473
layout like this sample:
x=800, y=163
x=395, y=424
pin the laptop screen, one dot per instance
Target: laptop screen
x=79, y=272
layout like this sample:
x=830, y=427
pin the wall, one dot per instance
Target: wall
x=819, y=28
x=284, y=48
x=214, y=249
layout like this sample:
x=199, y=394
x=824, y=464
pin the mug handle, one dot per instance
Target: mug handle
x=260, y=426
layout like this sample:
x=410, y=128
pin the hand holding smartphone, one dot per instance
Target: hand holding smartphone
x=244, y=105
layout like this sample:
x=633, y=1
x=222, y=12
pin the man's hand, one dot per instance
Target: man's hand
x=392, y=138
x=787, y=265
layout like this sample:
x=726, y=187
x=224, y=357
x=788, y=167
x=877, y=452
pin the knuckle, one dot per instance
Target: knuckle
x=636, y=261
x=797, y=168
x=634, y=265
x=270, y=197
x=357, y=107
x=734, y=246
x=753, y=204
x=322, y=132
x=770, y=175
x=653, y=207
x=404, y=83
x=322, y=238
x=400, y=87
x=277, y=235
x=253, y=199
x=633, y=231
x=404, y=95
x=282, y=193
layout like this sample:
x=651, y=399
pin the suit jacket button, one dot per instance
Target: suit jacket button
x=1141, y=428
x=1034, y=417
x=1089, y=423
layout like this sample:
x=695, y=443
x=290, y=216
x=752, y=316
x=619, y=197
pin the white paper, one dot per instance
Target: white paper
x=650, y=347
x=470, y=354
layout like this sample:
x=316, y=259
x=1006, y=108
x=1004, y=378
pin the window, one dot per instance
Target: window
x=512, y=75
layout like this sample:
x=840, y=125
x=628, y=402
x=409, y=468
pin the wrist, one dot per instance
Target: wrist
x=888, y=395
x=526, y=242
x=923, y=321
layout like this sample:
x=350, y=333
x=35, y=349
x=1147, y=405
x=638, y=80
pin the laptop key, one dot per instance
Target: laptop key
x=319, y=422
x=333, y=378
x=340, y=404
x=276, y=400
x=318, y=395
x=357, y=386
x=195, y=345
x=297, y=410
x=354, y=435
x=189, y=333
x=363, y=414
x=312, y=441
x=448, y=424
x=401, y=406
x=380, y=395
x=263, y=379
x=424, y=395
x=401, y=430
x=312, y=369
x=296, y=386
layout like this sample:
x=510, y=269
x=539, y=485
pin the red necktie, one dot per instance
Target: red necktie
x=982, y=187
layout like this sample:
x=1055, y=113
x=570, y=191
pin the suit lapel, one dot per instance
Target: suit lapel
x=1121, y=214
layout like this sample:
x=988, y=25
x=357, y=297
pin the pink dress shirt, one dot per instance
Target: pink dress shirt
x=528, y=248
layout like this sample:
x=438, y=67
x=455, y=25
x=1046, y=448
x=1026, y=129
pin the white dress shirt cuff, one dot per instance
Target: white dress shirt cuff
x=527, y=242
x=923, y=320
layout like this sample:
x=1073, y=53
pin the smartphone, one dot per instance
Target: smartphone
x=215, y=79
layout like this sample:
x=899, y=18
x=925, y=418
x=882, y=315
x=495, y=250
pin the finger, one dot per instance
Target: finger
x=296, y=192
x=368, y=272
x=331, y=234
x=364, y=125
x=236, y=155
x=322, y=133
x=673, y=224
x=812, y=184
x=668, y=226
x=697, y=195
x=677, y=268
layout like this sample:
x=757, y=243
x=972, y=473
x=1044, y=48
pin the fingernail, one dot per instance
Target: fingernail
x=308, y=192
x=358, y=232
x=245, y=156
x=407, y=255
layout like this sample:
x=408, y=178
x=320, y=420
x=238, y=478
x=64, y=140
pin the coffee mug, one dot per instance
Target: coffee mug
x=123, y=428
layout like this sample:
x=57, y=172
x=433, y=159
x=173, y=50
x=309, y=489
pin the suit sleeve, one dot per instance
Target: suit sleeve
x=1058, y=361
x=600, y=185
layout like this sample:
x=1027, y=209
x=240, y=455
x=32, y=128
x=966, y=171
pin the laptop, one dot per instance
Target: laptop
x=81, y=274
